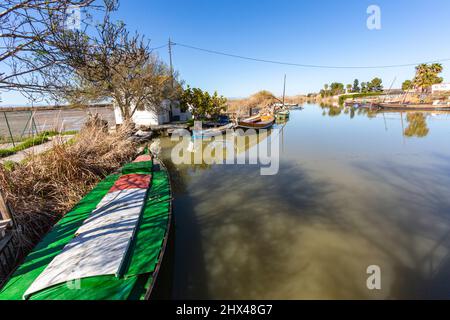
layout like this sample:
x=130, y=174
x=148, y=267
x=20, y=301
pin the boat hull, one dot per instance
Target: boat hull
x=254, y=123
x=140, y=264
x=416, y=107
x=245, y=125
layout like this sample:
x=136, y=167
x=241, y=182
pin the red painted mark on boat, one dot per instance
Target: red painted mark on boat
x=132, y=181
x=143, y=158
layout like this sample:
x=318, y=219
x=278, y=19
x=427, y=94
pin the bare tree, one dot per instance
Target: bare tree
x=40, y=55
x=112, y=64
x=27, y=31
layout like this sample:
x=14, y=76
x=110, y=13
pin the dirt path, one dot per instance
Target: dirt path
x=36, y=149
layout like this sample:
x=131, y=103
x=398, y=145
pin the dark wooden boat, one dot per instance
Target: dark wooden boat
x=257, y=122
x=416, y=107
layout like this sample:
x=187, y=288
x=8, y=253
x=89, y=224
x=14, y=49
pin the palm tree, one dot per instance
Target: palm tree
x=427, y=75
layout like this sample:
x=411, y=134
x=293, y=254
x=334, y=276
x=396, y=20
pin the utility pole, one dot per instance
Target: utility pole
x=171, y=63
x=171, y=77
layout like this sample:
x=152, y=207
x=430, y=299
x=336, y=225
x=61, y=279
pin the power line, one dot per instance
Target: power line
x=304, y=65
x=160, y=47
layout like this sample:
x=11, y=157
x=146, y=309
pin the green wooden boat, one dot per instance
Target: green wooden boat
x=283, y=114
x=115, y=237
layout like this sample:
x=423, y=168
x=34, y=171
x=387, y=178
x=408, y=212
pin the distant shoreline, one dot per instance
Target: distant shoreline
x=51, y=108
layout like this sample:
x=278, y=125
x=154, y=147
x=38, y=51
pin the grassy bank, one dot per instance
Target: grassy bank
x=31, y=142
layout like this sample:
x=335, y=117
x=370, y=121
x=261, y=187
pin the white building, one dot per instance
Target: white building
x=441, y=87
x=167, y=113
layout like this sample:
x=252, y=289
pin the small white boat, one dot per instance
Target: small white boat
x=212, y=132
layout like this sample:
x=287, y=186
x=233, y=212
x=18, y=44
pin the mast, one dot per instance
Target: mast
x=390, y=89
x=284, y=90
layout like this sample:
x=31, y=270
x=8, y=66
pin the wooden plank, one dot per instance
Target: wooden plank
x=4, y=209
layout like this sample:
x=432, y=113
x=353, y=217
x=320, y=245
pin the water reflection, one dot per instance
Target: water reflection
x=417, y=125
x=348, y=195
x=331, y=111
x=416, y=121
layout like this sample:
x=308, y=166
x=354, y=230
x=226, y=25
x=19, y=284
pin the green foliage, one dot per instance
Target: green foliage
x=333, y=89
x=356, y=87
x=364, y=88
x=349, y=88
x=337, y=88
x=50, y=134
x=9, y=165
x=376, y=85
x=407, y=85
x=202, y=104
x=427, y=75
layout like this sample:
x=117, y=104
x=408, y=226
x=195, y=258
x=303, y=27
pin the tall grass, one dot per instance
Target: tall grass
x=48, y=185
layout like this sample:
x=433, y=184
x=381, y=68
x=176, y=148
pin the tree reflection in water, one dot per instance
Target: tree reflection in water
x=417, y=125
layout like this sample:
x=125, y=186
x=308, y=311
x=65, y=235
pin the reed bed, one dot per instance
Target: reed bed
x=46, y=186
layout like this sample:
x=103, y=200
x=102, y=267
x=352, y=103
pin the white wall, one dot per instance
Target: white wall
x=151, y=118
x=441, y=87
x=144, y=118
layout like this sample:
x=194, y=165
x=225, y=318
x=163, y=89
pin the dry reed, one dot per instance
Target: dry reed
x=46, y=186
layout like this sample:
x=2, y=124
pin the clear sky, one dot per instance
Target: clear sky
x=305, y=32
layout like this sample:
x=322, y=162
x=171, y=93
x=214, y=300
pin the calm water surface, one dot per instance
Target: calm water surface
x=354, y=190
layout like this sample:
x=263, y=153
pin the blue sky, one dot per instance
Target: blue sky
x=307, y=32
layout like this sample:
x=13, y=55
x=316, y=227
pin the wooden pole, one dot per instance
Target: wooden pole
x=172, y=80
x=4, y=209
x=171, y=63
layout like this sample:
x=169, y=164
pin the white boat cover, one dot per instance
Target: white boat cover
x=101, y=243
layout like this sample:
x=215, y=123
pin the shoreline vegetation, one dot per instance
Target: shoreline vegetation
x=32, y=142
x=43, y=188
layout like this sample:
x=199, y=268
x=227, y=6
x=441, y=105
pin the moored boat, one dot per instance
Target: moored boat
x=283, y=113
x=257, y=122
x=416, y=107
x=109, y=247
x=212, y=132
